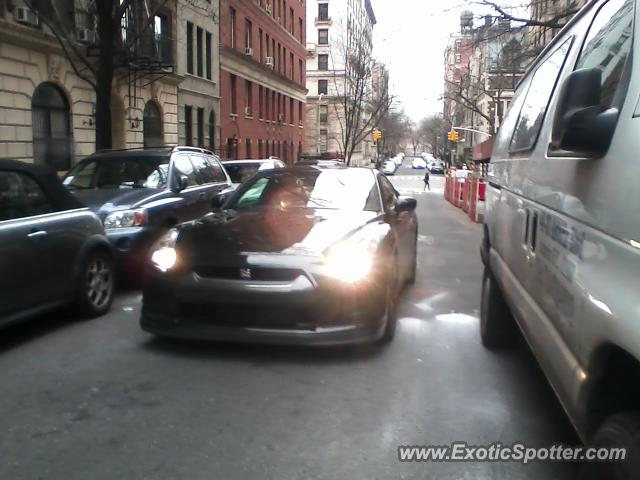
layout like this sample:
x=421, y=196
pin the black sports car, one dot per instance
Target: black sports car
x=303, y=255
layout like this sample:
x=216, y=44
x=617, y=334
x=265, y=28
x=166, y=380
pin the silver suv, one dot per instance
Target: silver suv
x=562, y=236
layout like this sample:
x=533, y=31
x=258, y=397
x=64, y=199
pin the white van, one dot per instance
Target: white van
x=562, y=228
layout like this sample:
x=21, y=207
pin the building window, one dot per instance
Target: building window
x=232, y=27
x=234, y=109
x=458, y=58
x=300, y=113
x=200, y=120
x=212, y=130
x=267, y=104
x=300, y=30
x=248, y=98
x=324, y=113
x=323, y=62
x=291, y=21
x=322, y=141
x=248, y=34
x=51, y=127
x=301, y=71
x=247, y=150
x=291, y=111
x=208, y=45
x=323, y=87
x=189, y=47
x=199, y=50
x=323, y=11
x=323, y=36
x=261, y=44
x=291, y=63
x=188, y=125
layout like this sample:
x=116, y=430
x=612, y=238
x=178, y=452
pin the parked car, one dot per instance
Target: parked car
x=561, y=241
x=389, y=167
x=303, y=255
x=418, y=163
x=241, y=170
x=53, y=250
x=398, y=160
x=140, y=194
x=437, y=168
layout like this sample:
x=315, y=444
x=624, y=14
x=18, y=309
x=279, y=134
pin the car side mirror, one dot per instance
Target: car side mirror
x=580, y=124
x=406, y=204
x=181, y=182
x=218, y=201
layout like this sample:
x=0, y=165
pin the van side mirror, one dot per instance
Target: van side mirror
x=580, y=124
x=218, y=201
x=406, y=204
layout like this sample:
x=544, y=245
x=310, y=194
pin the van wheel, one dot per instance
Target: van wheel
x=497, y=326
x=620, y=430
x=96, y=285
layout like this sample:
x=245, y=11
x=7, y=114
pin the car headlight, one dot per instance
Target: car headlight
x=349, y=262
x=126, y=218
x=164, y=255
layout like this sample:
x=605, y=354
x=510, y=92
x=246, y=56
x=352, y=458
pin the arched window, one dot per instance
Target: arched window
x=152, y=125
x=212, y=130
x=51, y=127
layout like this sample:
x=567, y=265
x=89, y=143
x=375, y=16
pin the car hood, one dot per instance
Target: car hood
x=301, y=231
x=105, y=200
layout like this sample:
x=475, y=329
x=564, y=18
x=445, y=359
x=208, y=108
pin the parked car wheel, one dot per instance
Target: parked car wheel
x=391, y=303
x=497, y=326
x=620, y=430
x=96, y=285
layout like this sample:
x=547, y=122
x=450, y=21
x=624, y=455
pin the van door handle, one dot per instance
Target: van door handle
x=534, y=232
x=35, y=234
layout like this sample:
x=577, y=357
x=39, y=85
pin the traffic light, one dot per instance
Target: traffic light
x=376, y=134
x=453, y=136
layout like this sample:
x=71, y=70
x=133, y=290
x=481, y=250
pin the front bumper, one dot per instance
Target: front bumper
x=305, y=311
x=131, y=246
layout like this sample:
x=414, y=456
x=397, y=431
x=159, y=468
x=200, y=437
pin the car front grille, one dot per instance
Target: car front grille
x=259, y=274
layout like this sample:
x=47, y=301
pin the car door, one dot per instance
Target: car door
x=403, y=223
x=211, y=177
x=28, y=275
x=182, y=170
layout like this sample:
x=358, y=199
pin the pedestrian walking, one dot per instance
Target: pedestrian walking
x=426, y=180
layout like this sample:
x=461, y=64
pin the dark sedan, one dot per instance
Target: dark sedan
x=296, y=256
x=53, y=250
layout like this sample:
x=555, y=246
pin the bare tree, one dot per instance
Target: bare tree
x=121, y=29
x=395, y=127
x=429, y=130
x=361, y=102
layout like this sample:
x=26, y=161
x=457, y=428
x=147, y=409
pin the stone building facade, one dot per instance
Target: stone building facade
x=47, y=112
x=262, y=77
x=198, y=63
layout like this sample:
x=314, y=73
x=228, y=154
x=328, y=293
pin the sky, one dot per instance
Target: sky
x=410, y=38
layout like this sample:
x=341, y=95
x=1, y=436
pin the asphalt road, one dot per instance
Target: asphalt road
x=102, y=400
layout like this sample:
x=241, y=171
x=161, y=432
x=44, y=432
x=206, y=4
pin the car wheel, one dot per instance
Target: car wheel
x=497, y=326
x=620, y=430
x=96, y=285
x=411, y=279
x=391, y=303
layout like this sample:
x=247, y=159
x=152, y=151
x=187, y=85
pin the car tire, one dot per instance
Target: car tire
x=497, y=325
x=96, y=285
x=392, y=292
x=411, y=279
x=620, y=430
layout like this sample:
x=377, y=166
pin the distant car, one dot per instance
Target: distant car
x=389, y=167
x=418, y=163
x=139, y=194
x=398, y=160
x=53, y=250
x=303, y=255
x=437, y=168
x=241, y=170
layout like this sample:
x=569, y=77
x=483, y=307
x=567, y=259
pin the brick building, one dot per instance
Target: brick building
x=262, y=78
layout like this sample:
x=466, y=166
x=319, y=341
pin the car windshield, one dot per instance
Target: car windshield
x=339, y=189
x=120, y=173
x=241, y=172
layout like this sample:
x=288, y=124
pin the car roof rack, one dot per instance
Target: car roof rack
x=192, y=149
